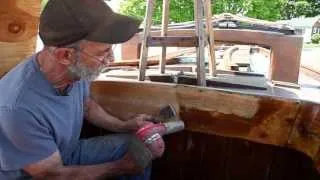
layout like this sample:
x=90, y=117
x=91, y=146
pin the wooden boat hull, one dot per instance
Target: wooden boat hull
x=228, y=135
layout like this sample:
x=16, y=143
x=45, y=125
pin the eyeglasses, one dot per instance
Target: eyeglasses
x=101, y=59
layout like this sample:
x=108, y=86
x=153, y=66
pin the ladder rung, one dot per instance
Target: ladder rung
x=172, y=41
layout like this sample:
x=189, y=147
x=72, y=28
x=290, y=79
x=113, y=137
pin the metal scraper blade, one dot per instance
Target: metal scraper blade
x=167, y=112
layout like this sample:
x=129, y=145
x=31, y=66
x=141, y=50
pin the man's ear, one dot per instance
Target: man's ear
x=64, y=55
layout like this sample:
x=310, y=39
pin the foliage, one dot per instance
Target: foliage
x=302, y=8
x=315, y=8
x=265, y=9
x=180, y=10
x=311, y=45
x=315, y=39
x=183, y=10
x=231, y=6
x=292, y=9
x=43, y=3
x=297, y=8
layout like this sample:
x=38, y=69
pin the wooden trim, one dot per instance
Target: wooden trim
x=172, y=41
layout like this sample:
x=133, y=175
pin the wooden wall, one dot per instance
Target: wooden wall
x=228, y=136
x=19, y=21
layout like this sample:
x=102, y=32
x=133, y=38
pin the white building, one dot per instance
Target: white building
x=304, y=26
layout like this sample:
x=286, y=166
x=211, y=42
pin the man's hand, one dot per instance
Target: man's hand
x=137, y=122
x=99, y=117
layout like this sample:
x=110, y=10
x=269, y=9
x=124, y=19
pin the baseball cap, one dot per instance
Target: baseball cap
x=64, y=22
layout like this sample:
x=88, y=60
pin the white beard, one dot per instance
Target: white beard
x=81, y=71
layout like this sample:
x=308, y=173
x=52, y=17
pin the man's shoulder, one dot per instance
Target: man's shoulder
x=15, y=82
x=14, y=117
x=25, y=68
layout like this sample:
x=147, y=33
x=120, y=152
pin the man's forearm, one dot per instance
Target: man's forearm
x=98, y=116
x=90, y=172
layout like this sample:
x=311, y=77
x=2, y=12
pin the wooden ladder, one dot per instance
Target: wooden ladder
x=201, y=8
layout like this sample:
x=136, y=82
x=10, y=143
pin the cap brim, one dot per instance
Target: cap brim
x=118, y=30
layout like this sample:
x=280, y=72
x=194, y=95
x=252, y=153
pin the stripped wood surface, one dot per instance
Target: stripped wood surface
x=281, y=122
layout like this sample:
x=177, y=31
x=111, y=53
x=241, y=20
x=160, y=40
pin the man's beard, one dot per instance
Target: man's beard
x=81, y=71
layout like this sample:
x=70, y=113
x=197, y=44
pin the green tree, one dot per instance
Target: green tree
x=315, y=39
x=264, y=9
x=315, y=8
x=297, y=8
x=182, y=10
x=231, y=6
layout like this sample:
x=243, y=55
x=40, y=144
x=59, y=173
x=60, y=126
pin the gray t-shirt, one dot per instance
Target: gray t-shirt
x=34, y=120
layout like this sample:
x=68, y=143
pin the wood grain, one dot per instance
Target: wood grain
x=19, y=21
x=289, y=123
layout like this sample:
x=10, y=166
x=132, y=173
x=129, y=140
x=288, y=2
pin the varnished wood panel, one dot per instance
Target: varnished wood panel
x=18, y=30
x=262, y=119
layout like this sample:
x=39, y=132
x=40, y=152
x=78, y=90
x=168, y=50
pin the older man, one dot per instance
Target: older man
x=44, y=99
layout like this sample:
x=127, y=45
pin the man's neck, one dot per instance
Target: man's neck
x=54, y=72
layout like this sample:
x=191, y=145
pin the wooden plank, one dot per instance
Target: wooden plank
x=280, y=57
x=151, y=62
x=282, y=122
x=306, y=132
x=212, y=57
x=241, y=23
x=238, y=82
x=18, y=31
x=164, y=30
x=194, y=155
x=172, y=41
x=260, y=119
x=144, y=47
x=201, y=71
x=227, y=57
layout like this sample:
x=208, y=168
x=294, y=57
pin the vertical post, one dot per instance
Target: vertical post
x=201, y=71
x=212, y=58
x=144, y=48
x=164, y=31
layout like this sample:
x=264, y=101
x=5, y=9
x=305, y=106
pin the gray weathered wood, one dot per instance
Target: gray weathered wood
x=164, y=30
x=172, y=41
x=144, y=48
x=212, y=58
x=201, y=73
